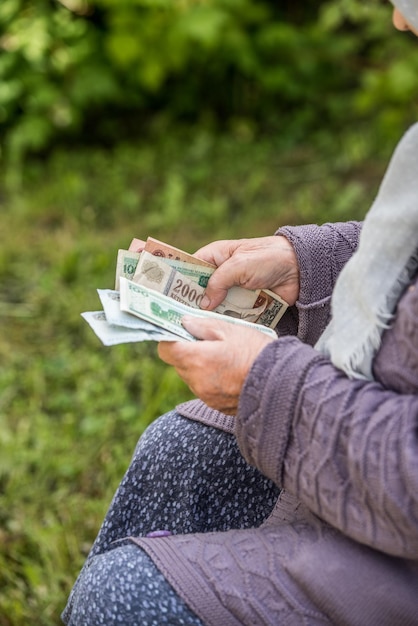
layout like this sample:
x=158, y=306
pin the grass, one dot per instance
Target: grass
x=71, y=410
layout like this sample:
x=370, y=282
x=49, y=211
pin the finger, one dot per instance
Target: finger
x=216, y=252
x=226, y=276
x=205, y=329
x=170, y=351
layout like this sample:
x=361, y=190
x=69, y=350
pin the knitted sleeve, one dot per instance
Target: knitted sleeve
x=347, y=449
x=322, y=252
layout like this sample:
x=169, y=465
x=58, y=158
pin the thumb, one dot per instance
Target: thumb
x=204, y=328
x=222, y=279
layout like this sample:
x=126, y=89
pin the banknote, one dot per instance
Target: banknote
x=179, y=282
x=181, y=279
x=110, y=300
x=272, y=305
x=159, y=248
x=199, y=273
x=167, y=313
x=274, y=310
x=126, y=264
x=155, y=273
x=152, y=306
x=267, y=306
x=136, y=245
x=111, y=335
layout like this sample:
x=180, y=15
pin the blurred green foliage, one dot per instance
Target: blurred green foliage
x=99, y=70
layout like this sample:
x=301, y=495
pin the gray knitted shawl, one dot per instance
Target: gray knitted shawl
x=370, y=284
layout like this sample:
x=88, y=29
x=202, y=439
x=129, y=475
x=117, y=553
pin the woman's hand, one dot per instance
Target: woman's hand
x=216, y=367
x=259, y=263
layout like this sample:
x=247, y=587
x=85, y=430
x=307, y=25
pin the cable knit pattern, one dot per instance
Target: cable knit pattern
x=265, y=447
x=349, y=443
x=402, y=376
x=249, y=581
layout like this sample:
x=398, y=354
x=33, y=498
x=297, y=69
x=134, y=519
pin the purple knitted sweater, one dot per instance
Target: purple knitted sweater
x=341, y=546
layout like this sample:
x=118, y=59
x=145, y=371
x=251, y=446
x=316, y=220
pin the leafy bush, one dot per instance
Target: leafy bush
x=99, y=70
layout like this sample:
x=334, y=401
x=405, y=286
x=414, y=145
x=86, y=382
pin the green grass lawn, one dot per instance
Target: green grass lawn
x=72, y=410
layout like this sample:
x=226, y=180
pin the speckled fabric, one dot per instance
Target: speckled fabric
x=185, y=477
x=123, y=586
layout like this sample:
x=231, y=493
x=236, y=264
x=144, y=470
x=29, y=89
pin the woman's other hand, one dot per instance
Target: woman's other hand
x=215, y=368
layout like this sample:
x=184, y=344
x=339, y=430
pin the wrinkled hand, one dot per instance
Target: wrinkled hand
x=258, y=263
x=216, y=367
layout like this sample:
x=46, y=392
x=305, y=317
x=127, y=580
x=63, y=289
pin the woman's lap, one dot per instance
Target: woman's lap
x=184, y=477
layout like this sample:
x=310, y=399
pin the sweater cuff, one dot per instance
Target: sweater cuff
x=322, y=252
x=199, y=412
x=268, y=403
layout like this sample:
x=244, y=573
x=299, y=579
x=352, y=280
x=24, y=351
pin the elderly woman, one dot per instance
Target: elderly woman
x=288, y=492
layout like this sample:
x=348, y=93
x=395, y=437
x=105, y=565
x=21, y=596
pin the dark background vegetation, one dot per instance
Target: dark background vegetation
x=188, y=120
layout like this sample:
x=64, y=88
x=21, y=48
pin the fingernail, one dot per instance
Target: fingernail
x=205, y=302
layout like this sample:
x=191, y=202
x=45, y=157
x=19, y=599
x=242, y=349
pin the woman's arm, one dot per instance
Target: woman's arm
x=347, y=449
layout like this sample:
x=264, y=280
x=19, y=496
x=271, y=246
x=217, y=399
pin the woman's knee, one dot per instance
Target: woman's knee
x=123, y=586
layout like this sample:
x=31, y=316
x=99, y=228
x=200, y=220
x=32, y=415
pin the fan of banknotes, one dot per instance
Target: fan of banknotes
x=157, y=284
